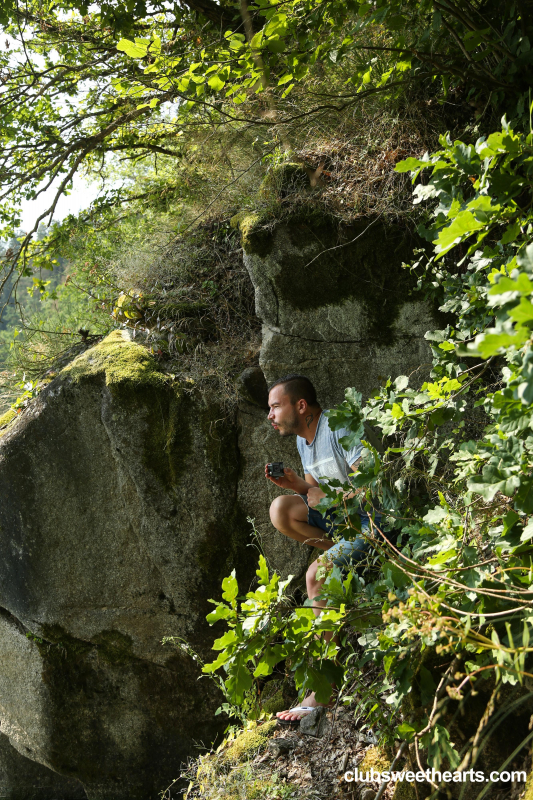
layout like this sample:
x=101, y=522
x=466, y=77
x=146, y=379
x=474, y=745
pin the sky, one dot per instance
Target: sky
x=82, y=194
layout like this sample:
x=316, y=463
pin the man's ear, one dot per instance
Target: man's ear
x=301, y=406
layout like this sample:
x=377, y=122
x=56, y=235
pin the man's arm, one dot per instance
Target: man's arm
x=291, y=480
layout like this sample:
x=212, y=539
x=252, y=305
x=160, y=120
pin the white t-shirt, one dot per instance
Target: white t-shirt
x=325, y=458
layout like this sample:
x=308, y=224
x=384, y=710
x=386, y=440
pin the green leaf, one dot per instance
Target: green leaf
x=137, y=49
x=240, y=680
x=410, y=164
x=285, y=79
x=222, y=611
x=399, y=578
x=435, y=515
x=230, y=587
x=317, y=681
x=216, y=82
x=397, y=412
x=333, y=672
x=229, y=638
x=214, y=665
x=405, y=731
x=257, y=40
x=272, y=656
x=527, y=533
x=276, y=44
x=442, y=558
x=524, y=496
x=462, y=226
x=523, y=312
x=401, y=383
x=262, y=571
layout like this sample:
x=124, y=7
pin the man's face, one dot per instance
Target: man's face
x=283, y=414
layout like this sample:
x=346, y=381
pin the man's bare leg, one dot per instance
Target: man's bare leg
x=289, y=515
x=314, y=589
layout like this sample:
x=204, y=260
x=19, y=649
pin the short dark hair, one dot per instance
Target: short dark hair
x=298, y=387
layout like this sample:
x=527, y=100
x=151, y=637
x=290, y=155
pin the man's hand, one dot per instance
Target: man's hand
x=314, y=496
x=290, y=480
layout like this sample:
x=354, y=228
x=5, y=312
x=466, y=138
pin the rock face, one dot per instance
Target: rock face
x=118, y=519
x=124, y=502
x=24, y=779
x=340, y=310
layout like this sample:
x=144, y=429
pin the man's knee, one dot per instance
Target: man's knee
x=279, y=511
x=284, y=511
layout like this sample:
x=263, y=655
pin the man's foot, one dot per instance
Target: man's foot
x=296, y=714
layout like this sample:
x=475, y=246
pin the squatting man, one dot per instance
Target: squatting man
x=295, y=411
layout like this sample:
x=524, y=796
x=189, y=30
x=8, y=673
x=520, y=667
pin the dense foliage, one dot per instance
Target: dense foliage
x=460, y=577
x=180, y=110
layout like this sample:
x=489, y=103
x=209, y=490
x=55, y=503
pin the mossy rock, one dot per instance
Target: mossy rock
x=404, y=791
x=282, y=180
x=8, y=417
x=249, y=742
x=122, y=361
x=255, y=236
x=274, y=703
x=375, y=758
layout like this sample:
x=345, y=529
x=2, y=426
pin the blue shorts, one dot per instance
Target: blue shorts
x=347, y=552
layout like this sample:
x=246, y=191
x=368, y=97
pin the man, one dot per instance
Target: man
x=295, y=411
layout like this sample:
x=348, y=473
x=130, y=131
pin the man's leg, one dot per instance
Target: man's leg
x=314, y=589
x=289, y=515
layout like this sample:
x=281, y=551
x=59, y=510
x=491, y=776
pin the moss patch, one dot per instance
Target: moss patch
x=404, y=791
x=218, y=780
x=6, y=418
x=282, y=180
x=122, y=361
x=275, y=703
x=256, y=238
x=57, y=647
x=375, y=758
x=139, y=386
x=249, y=742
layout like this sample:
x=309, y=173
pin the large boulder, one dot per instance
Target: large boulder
x=336, y=306
x=119, y=518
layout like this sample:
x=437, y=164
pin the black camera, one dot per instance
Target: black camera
x=275, y=470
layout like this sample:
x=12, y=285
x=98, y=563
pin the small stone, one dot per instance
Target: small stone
x=314, y=723
x=368, y=737
x=368, y=794
x=280, y=747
